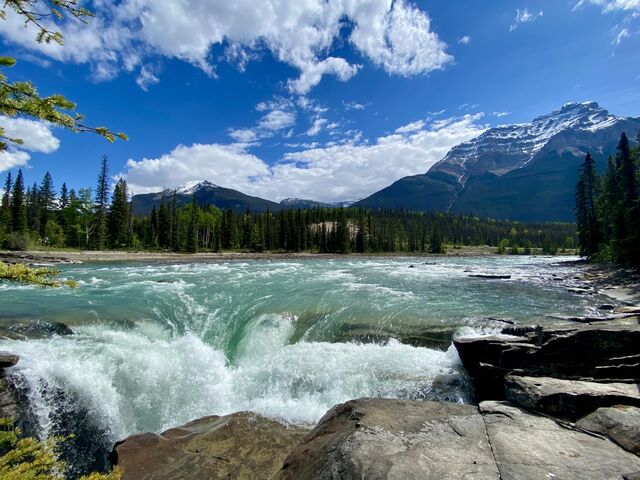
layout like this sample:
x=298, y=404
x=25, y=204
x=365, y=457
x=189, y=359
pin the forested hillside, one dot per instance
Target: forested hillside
x=40, y=215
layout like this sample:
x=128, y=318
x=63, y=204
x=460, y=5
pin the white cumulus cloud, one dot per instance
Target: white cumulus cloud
x=340, y=171
x=36, y=136
x=394, y=35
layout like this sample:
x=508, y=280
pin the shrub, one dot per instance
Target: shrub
x=31, y=459
x=17, y=241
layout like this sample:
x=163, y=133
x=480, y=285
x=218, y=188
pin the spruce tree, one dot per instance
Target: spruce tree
x=5, y=206
x=164, y=225
x=64, y=196
x=343, y=237
x=18, y=205
x=629, y=209
x=588, y=225
x=192, y=233
x=119, y=216
x=101, y=205
x=47, y=201
x=175, y=242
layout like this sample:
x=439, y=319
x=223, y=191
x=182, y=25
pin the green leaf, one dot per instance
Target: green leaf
x=7, y=61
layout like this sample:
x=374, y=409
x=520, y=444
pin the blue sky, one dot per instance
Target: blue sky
x=303, y=98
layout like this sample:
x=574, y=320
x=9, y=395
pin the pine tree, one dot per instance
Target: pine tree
x=18, y=206
x=436, y=241
x=164, y=225
x=361, y=236
x=343, y=237
x=5, y=206
x=119, y=216
x=628, y=214
x=64, y=196
x=586, y=215
x=192, y=233
x=175, y=239
x=47, y=201
x=101, y=205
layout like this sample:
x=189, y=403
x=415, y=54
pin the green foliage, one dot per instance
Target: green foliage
x=608, y=208
x=32, y=459
x=118, y=217
x=17, y=241
x=21, y=99
x=192, y=234
x=42, y=277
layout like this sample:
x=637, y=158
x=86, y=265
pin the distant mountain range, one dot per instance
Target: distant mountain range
x=523, y=172
x=208, y=193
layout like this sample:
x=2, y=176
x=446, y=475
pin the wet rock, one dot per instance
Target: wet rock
x=240, y=446
x=394, y=439
x=508, y=321
x=451, y=388
x=491, y=277
x=35, y=330
x=520, y=330
x=569, y=399
x=14, y=406
x=628, y=309
x=621, y=423
x=8, y=359
x=606, y=306
x=584, y=352
x=10, y=405
x=528, y=446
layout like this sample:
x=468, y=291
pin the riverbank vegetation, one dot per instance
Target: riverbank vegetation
x=608, y=207
x=26, y=458
x=40, y=216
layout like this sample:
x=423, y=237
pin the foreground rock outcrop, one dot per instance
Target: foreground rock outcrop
x=394, y=439
x=604, y=353
x=527, y=446
x=240, y=446
x=383, y=439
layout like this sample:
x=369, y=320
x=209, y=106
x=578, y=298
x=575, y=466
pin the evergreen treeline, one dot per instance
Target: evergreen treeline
x=608, y=207
x=100, y=219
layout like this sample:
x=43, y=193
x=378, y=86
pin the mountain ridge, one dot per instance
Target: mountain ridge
x=492, y=174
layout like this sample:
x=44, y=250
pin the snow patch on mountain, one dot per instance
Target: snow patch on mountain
x=190, y=188
x=513, y=146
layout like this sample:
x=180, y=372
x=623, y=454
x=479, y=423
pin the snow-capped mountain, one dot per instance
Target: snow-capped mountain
x=205, y=193
x=505, y=148
x=521, y=172
x=190, y=188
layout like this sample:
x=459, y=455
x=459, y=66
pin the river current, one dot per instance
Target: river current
x=157, y=345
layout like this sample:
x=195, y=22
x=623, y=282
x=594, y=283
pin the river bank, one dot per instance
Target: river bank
x=93, y=256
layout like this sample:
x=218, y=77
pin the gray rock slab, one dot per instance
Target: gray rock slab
x=533, y=447
x=570, y=399
x=377, y=439
x=621, y=423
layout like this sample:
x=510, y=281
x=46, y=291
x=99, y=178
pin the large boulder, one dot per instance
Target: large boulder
x=582, y=352
x=394, y=439
x=528, y=446
x=621, y=423
x=240, y=446
x=569, y=399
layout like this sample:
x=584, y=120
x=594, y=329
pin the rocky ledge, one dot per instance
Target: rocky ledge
x=377, y=439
